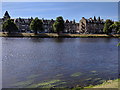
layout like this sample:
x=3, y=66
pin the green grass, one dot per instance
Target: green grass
x=44, y=84
x=49, y=84
x=75, y=74
x=32, y=76
x=108, y=84
x=93, y=71
x=105, y=85
x=118, y=44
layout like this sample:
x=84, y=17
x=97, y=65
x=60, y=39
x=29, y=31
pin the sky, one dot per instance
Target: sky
x=60, y=0
x=69, y=10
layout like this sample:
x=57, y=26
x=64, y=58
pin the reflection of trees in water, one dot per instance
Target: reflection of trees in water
x=93, y=40
x=37, y=39
x=86, y=40
x=59, y=40
x=107, y=40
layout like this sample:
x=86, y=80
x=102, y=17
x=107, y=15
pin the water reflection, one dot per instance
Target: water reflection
x=37, y=40
x=59, y=40
x=65, y=61
x=94, y=40
x=107, y=40
x=86, y=40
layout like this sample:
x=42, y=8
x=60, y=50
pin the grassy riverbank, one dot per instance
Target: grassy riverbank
x=108, y=85
x=54, y=35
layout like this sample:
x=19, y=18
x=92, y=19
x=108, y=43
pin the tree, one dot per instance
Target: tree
x=116, y=27
x=6, y=15
x=9, y=26
x=95, y=18
x=36, y=25
x=107, y=25
x=98, y=18
x=58, y=26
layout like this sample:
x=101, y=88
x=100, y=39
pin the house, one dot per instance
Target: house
x=90, y=25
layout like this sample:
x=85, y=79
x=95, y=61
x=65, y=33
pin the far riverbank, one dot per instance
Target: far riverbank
x=54, y=35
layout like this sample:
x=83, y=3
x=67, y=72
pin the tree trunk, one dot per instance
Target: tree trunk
x=35, y=31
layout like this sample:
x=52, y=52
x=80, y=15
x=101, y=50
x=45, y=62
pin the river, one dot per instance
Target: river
x=58, y=62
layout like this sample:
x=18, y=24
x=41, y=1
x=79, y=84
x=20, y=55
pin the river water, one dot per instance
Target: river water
x=58, y=62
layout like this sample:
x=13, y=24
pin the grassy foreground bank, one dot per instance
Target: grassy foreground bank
x=108, y=85
x=54, y=35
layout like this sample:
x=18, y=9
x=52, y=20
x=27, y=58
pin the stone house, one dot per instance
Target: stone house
x=23, y=24
x=91, y=25
x=84, y=26
x=71, y=26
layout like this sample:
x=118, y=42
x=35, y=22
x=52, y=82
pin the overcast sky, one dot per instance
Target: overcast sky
x=69, y=10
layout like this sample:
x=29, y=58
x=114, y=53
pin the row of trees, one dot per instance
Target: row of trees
x=36, y=25
x=9, y=26
x=110, y=26
x=58, y=26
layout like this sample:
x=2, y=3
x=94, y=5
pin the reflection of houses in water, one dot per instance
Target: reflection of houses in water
x=91, y=40
x=84, y=26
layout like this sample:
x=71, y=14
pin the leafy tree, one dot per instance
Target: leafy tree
x=9, y=26
x=107, y=25
x=116, y=27
x=36, y=25
x=99, y=19
x=58, y=26
x=95, y=18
